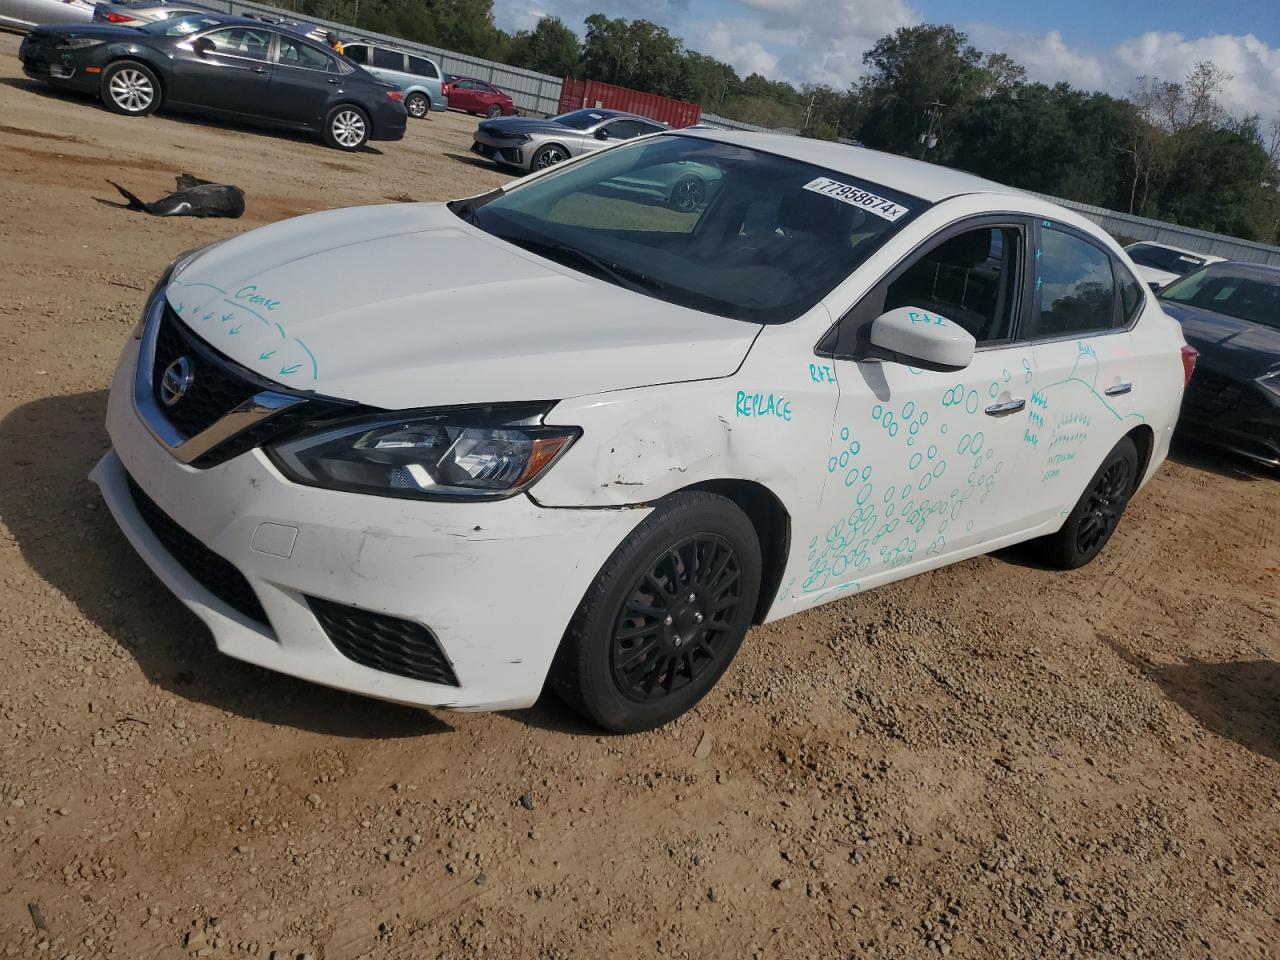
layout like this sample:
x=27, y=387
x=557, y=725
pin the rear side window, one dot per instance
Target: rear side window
x=295, y=53
x=1131, y=295
x=388, y=59
x=1077, y=288
x=1162, y=258
x=423, y=68
x=241, y=42
x=626, y=129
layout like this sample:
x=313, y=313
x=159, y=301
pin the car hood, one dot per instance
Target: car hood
x=405, y=305
x=1230, y=345
x=530, y=126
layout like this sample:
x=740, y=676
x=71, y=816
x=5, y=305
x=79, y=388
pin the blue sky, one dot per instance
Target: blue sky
x=1094, y=44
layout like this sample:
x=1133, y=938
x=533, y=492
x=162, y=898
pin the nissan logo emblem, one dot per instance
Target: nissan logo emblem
x=175, y=381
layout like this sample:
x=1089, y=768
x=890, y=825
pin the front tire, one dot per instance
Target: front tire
x=417, y=105
x=1095, y=516
x=664, y=617
x=548, y=156
x=130, y=88
x=346, y=127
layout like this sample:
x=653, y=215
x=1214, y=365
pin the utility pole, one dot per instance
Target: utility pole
x=929, y=139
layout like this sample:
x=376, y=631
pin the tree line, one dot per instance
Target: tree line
x=1168, y=150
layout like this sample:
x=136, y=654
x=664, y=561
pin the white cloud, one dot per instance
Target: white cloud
x=726, y=40
x=1254, y=66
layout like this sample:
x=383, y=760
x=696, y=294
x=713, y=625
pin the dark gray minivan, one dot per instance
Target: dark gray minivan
x=418, y=77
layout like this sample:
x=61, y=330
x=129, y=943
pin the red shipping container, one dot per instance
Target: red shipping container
x=576, y=94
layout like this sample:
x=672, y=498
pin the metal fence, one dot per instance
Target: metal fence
x=1201, y=241
x=532, y=92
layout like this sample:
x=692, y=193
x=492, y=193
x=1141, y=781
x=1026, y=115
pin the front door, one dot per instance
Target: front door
x=232, y=75
x=922, y=461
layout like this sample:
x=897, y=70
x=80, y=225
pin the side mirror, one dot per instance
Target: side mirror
x=1154, y=285
x=203, y=47
x=602, y=134
x=919, y=338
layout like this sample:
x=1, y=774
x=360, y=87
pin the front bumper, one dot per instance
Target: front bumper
x=496, y=582
x=502, y=151
x=1236, y=415
x=64, y=70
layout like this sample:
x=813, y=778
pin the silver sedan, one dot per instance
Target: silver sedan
x=23, y=14
x=532, y=144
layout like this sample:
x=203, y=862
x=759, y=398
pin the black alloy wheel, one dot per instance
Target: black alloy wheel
x=670, y=628
x=1105, y=502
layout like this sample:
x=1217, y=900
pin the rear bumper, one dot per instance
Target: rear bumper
x=389, y=124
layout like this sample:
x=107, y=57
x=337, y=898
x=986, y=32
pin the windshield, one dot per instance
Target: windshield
x=580, y=119
x=1234, y=293
x=1163, y=258
x=702, y=224
x=180, y=26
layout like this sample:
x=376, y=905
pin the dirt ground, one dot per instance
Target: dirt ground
x=993, y=760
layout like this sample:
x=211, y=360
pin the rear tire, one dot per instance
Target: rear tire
x=493, y=111
x=688, y=194
x=664, y=617
x=130, y=88
x=417, y=105
x=346, y=127
x=1095, y=516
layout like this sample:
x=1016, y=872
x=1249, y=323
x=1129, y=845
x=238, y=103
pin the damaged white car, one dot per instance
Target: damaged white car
x=564, y=433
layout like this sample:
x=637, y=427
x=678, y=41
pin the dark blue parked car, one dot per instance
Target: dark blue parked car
x=1230, y=312
x=226, y=66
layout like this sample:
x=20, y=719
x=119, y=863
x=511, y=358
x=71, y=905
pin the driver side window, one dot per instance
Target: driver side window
x=971, y=278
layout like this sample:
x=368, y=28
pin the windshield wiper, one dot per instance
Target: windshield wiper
x=622, y=276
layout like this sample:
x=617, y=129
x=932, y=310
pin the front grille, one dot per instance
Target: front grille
x=216, y=574
x=216, y=389
x=1211, y=395
x=384, y=643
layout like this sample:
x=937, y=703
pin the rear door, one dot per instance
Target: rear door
x=304, y=79
x=427, y=76
x=1088, y=380
x=234, y=76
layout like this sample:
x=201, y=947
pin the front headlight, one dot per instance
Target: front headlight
x=78, y=43
x=1271, y=383
x=462, y=453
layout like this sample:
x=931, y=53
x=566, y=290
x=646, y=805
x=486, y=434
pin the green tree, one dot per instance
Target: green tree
x=635, y=53
x=912, y=69
x=550, y=48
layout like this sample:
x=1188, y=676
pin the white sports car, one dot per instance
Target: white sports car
x=444, y=453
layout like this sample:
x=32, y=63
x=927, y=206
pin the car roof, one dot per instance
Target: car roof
x=366, y=42
x=1206, y=257
x=928, y=181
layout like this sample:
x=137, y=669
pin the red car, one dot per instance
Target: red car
x=476, y=96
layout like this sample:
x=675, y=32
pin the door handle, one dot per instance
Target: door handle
x=1006, y=408
x=1118, y=389
x=259, y=69
x=334, y=80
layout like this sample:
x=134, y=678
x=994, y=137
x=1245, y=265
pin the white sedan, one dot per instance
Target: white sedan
x=444, y=454
x=1160, y=264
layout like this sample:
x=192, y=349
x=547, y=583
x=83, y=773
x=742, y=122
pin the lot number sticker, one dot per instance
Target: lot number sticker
x=881, y=207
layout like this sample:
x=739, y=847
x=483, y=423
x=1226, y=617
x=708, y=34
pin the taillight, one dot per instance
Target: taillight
x=1189, y=356
x=395, y=94
x=119, y=18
